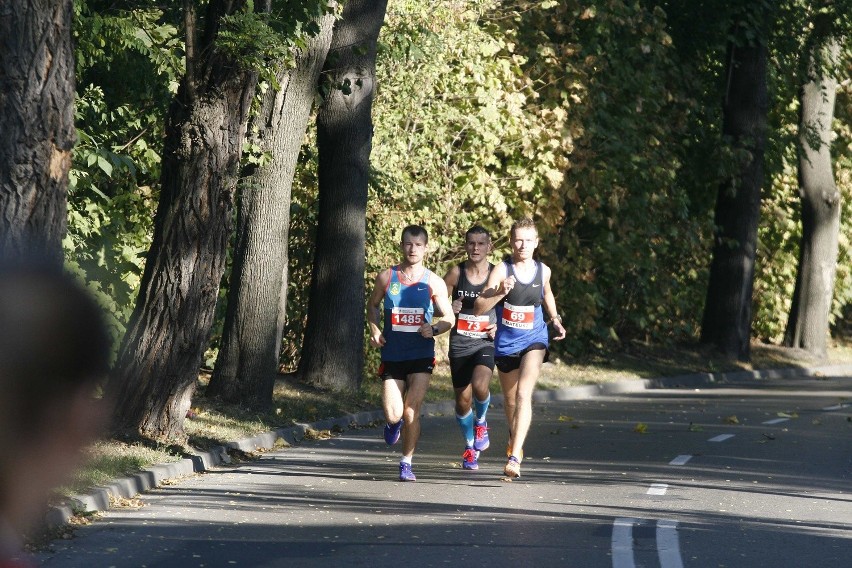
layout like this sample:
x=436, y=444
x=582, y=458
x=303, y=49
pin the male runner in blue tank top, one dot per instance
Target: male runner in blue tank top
x=518, y=287
x=472, y=345
x=410, y=294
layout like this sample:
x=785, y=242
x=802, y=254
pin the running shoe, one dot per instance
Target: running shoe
x=405, y=473
x=509, y=451
x=392, y=432
x=469, y=459
x=513, y=467
x=480, y=437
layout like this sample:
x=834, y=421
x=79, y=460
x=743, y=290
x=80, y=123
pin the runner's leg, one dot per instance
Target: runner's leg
x=418, y=384
x=528, y=375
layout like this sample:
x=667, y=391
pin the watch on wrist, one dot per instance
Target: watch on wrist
x=556, y=317
x=435, y=330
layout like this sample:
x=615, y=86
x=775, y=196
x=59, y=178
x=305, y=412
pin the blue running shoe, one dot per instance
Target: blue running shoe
x=469, y=459
x=405, y=473
x=480, y=437
x=392, y=432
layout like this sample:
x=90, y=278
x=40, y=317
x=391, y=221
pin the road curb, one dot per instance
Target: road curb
x=98, y=499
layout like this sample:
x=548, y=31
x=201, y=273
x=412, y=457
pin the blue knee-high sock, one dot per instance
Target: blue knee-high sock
x=466, y=425
x=481, y=407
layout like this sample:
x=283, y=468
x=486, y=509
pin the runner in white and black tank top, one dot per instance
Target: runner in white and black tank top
x=472, y=345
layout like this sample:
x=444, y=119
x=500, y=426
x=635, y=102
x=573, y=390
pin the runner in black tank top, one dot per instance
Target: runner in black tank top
x=471, y=345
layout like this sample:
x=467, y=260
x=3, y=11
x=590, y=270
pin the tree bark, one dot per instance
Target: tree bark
x=37, y=126
x=157, y=367
x=248, y=357
x=808, y=324
x=333, y=349
x=728, y=309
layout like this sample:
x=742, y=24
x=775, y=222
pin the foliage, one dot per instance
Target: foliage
x=600, y=118
x=255, y=38
x=780, y=230
x=128, y=64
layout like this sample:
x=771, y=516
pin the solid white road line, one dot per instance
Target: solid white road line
x=668, y=544
x=721, y=438
x=658, y=489
x=776, y=421
x=680, y=460
x=836, y=407
x=622, y=543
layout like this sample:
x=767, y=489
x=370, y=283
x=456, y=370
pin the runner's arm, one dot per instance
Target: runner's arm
x=550, y=306
x=442, y=303
x=451, y=279
x=374, y=308
x=495, y=290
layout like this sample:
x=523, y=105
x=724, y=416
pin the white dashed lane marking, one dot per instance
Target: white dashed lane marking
x=668, y=543
x=658, y=489
x=776, y=421
x=681, y=459
x=721, y=438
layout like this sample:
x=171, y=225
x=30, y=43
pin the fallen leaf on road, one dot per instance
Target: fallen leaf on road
x=788, y=415
x=564, y=418
x=641, y=428
x=695, y=428
x=732, y=420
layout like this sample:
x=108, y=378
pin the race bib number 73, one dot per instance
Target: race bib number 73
x=472, y=326
x=518, y=317
x=407, y=320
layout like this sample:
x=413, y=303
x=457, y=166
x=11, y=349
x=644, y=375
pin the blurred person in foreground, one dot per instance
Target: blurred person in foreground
x=54, y=352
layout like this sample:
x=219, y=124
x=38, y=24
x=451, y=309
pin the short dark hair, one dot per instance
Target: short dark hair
x=415, y=231
x=477, y=230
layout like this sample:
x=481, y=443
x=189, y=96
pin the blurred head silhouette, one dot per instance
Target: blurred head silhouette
x=54, y=352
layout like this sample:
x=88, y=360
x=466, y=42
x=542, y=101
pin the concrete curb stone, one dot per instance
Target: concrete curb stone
x=98, y=499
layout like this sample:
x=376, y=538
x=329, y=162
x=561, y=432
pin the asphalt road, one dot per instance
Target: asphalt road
x=753, y=475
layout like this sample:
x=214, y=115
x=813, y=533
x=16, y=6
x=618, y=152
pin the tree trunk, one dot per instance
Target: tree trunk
x=157, y=367
x=808, y=325
x=37, y=126
x=728, y=309
x=248, y=358
x=333, y=349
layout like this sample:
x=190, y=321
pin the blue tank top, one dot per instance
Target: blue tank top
x=520, y=321
x=406, y=308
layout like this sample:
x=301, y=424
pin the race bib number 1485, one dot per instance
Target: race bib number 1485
x=407, y=320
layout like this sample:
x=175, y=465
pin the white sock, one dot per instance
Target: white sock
x=405, y=459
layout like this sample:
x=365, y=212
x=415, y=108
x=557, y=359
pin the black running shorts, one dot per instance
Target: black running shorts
x=461, y=368
x=509, y=363
x=400, y=370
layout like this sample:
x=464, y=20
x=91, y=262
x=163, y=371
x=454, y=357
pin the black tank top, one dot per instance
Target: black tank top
x=468, y=334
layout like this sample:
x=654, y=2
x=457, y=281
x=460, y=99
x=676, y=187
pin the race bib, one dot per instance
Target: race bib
x=407, y=320
x=472, y=326
x=518, y=317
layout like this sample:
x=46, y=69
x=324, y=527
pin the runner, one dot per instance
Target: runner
x=410, y=292
x=518, y=287
x=472, y=345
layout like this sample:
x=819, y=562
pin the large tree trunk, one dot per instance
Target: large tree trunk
x=728, y=309
x=36, y=126
x=248, y=358
x=333, y=350
x=157, y=367
x=808, y=325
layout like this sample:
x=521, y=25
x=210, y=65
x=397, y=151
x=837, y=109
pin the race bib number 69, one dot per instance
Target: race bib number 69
x=518, y=317
x=407, y=320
